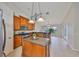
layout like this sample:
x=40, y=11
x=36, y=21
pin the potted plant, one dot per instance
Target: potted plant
x=51, y=30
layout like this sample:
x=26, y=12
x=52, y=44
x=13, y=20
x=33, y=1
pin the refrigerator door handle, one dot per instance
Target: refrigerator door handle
x=4, y=29
x=3, y=34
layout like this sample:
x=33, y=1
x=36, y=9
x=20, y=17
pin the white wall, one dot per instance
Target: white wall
x=76, y=26
x=72, y=19
x=8, y=18
x=69, y=20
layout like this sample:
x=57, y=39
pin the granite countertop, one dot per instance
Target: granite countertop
x=38, y=40
x=21, y=32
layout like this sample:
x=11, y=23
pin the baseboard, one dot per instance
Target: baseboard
x=71, y=47
x=74, y=49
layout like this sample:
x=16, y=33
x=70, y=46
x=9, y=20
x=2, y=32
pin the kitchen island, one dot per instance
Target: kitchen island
x=38, y=47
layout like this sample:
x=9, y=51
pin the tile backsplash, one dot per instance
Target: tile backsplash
x=23, y=28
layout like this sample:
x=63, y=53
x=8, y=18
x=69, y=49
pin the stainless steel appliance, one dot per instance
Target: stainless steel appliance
x=2, y=34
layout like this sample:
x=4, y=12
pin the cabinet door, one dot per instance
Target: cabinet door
x=31, y=26
x=16, y=23
x=43, y=51
x=27, y=48
x=17, y=41
x=24, y=21
x=38, y=51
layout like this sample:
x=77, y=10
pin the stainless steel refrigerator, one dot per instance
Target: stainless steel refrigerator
x=2, y=34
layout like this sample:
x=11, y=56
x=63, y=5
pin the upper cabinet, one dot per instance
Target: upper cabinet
x=17, y=23
x=22, y=23
x=31, y=26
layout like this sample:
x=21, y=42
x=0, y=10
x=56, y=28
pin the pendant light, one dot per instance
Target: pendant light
x=40, y=19
x=31, y=20
x=37, y=16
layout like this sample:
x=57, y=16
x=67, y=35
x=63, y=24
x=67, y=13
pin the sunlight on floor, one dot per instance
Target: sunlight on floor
x=59, y=48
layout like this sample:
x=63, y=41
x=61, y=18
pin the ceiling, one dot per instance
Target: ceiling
x=57, y=10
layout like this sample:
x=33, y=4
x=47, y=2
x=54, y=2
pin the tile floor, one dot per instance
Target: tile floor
x=16, y=53
x=59, y=48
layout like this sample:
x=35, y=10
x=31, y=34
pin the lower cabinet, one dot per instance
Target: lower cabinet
x=27, y=48
x=38, y=51
x=33, y=50
x=17, y=41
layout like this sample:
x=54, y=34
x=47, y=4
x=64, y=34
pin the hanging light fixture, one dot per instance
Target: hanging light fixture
x=31, y=20
x=37, y=16
x=41, y=19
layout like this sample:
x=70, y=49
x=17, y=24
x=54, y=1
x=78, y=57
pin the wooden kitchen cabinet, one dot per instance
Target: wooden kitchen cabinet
x=17, y=23
x=38, y=51
x=27, y=48
x=31, y=26
x=17, y=41
x=22, y=21
x=33, y=50
x=25, y=22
